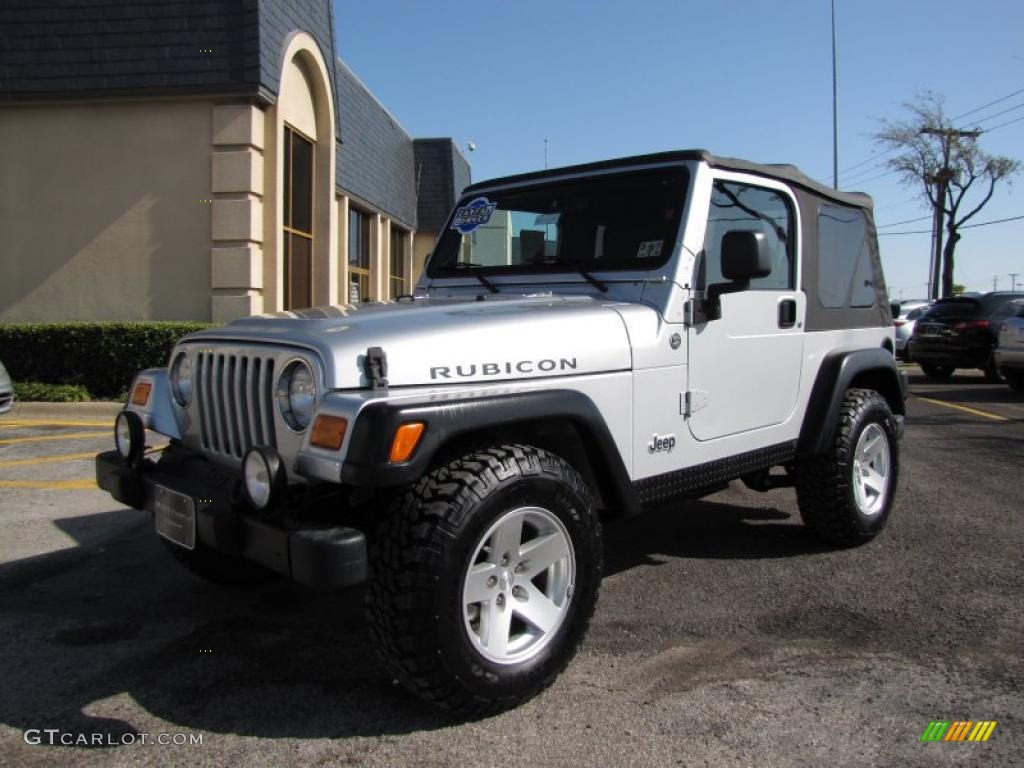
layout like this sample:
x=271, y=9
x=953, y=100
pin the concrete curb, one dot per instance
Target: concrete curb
x=63, y=411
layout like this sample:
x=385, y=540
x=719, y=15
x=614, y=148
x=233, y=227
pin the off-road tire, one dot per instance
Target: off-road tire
x=825, y=484
x=418, y=561
x=935, y=371
x=1015, y=380
x=217, y=567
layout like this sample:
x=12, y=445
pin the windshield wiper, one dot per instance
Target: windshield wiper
x=471, y=267
x=582, y=273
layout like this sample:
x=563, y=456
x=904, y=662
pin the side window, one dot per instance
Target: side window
x=742, y=206
x=845, y=277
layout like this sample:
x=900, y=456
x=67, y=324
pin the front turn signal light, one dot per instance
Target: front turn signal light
x=140, y=393
x=407, y=437
x=328, y=432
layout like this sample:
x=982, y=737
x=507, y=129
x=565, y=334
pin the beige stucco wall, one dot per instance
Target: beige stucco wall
x=105, y=211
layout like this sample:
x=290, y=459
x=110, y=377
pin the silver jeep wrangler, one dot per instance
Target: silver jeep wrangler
x=584, y=341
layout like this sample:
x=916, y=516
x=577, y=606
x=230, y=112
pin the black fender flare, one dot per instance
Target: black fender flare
x=874, y=368
x=366, y=463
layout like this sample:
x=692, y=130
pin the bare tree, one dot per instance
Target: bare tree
x=954, y=175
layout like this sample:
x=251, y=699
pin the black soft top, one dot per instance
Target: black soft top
x=782, y=172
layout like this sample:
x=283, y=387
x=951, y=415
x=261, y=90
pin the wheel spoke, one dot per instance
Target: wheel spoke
x=540, y=553
x=497, y=622
x=538, y=609
x=874, y=481
x=871, y=446
x=477, y=587
x=506, y=539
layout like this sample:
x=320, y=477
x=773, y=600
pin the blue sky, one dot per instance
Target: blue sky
x=752, y=79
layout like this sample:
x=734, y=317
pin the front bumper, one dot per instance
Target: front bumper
x=318, y=555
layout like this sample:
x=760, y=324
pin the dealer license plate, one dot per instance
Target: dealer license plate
x=174, y=515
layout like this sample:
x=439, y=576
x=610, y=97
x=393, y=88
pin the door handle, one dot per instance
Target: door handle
x=787, y=313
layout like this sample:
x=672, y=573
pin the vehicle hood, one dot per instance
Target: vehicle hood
x=448, y=341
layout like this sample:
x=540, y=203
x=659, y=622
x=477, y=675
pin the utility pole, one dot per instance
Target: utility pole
x=1013, y=280
x=835, y=106
x=995, y=283
x=941, y=178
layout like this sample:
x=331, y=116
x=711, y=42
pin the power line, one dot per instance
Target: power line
x=899, y=204
x=876, y=178
x=965, y=226
x=884, y=152
x=1003, y=125
x=990, y=104
x=1003, y=112
x=905, y=221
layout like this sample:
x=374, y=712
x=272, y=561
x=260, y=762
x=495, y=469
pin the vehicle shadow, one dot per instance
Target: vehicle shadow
x=704, y=529
x=92, y=633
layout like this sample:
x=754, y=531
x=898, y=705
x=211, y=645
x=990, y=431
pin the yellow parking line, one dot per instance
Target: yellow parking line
x=48, y=459
x=45, y=423
x=38, y=439
x=964, y=408
x=50, y=485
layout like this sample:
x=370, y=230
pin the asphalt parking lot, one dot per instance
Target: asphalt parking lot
x=723, y=636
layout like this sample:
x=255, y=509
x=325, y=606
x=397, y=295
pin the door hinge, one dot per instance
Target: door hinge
x=691, y=401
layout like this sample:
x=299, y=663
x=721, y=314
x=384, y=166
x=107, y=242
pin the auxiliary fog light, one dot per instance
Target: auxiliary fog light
x=263, y=477
x=129, y=436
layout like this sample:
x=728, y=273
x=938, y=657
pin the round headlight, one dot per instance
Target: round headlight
x=181, y=379
x=296, y=395
x=129, y=436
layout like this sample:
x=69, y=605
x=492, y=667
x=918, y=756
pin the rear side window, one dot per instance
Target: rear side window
x=845, y=276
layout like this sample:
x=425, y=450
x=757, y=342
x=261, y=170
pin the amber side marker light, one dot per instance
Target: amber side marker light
x=140, y=394
x=407, y=437
x=329, y=432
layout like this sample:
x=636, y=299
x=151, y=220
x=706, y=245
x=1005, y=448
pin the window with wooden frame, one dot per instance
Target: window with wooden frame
x=358, y=256
x=398, y=272
x=298, y=220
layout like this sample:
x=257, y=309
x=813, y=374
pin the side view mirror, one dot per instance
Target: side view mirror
x=744, y=258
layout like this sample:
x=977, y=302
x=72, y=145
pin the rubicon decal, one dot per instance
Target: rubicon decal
x=507, y=368
x=958, y=730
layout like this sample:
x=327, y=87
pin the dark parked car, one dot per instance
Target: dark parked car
x=960, y=332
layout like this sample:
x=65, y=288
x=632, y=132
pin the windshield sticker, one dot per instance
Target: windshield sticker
x=473, y=214
x=649, y=249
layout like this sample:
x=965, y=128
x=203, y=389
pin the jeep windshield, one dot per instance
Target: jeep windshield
x=619, y=221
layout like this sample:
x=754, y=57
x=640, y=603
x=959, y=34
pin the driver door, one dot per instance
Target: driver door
x=744, y=367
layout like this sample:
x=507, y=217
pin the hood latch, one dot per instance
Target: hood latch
x=375, y=366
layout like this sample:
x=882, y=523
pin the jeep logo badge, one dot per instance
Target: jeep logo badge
x=661, y=444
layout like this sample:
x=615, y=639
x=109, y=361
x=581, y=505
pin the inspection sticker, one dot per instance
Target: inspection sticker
x=649, y=249
x=473, y=214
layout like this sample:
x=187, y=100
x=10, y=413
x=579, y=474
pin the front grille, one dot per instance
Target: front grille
x=235, y=394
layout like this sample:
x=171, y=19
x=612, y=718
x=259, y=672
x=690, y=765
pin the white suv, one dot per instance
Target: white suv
x=584, y=341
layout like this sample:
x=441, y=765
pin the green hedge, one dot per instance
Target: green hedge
x=37, y=392
x=102, y=357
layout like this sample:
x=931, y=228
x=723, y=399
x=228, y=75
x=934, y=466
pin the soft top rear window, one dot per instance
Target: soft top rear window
x=618, y=221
